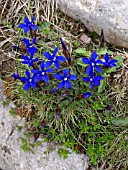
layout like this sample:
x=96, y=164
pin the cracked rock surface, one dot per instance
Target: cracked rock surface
x=12, y=157
x=110, y=15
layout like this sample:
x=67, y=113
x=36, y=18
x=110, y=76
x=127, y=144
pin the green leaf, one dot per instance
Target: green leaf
x=110, y=70
x=102, y=86
x=81, y=51
x=120, y=61
x=103, y=51
x=120, y=121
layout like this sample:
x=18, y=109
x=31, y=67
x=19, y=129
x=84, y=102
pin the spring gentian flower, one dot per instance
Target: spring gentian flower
x=27, y=25
x=65, y=79
x=42, y=73
x=29, y=46
x=63, y=44
x=87, y=95
x=54, y=59
x=94, y=80
x=92, y=63
x=109, y=63
x=28, y=60
x=29, y=81
x=16, y=76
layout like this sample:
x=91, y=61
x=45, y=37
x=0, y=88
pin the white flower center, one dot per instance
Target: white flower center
x=93, y=64
x=30, y=80
x=65, y=79
x=43, y=73
x=54, y=59
x=91, y=79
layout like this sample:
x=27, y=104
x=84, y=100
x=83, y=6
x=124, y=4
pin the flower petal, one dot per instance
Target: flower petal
x=55, y=51
x=37, y=78
x=33, y=19
x=34, y=27
x=34, y=40
x=48, y=63
x=25, y=62
x=61, y=85
x=61, y=58
x=42, y=65
x=86, y=60
x=26, y=29
x=91, y=85
x=35, y=71
x=87, y=94
x=48, y=55
x=65, y=72
x=68, y=85
x=89, y=69
x=27, y=85
x=22, y=25
x=63, y=44
x=50, y=70
x=27, y=73
x=26, y=20
x=93, y=56
x=58, y=76
x=72, y=77
x=106, y=57
x=57, y=65
x=26, y=41
x=45, y=78
x=86, y=79
x=98, y=69
x=99, y=61
x=35, y=60
x=25, y=57
x=24, y=79
x=33, y=84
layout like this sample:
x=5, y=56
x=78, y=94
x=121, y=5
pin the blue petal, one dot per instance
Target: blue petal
x=37, y=78
x=57, y=65
x=58, y=76
x=34, y=27
x=42, y=66
x=93, y=56
x=34, y=40
x=50, y=70
x=33, y=84
x=91, y=85
x=24, y=79
x=26, y=41
x=72, y=77
x=98, y=69
x=26, y=20
x=26, y=29
x=48, y=55
x=27, y=85
x=61, y=58
x=97, y=79
x=48, y=63
x=27, y=73
x=106, y=57
x=45, y=78
x=89, y=69
x=99, y=61
x=86, y=61
x=86, y=79
x=112, y=62
x=35, y=60
x=65, y=72
x=55, y=51
x=35, y=71
x=33, y=19
x=87, y=94
x=63, y=44
x=68, y=85
x=61, y=85
x=16, y=76
x=22, y=25
x=25, y=62
x=24, y=57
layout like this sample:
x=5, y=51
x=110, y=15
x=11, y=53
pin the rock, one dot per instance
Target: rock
x=111, y=15
x=12, y=157
x=84, y=38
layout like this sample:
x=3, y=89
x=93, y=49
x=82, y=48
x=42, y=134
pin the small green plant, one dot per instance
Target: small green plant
x=68, y=96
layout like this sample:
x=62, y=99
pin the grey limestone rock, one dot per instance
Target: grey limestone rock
x=109, y=15
x=12, y=157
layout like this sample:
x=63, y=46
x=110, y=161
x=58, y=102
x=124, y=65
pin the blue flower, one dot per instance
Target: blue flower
x=42, y=73
x=29, y=81
x=65, y=79
x=92, y=63
x=16, y=76
x=30, y=48
x=87, y=94
x=54, y=59
x=94, y=80
x=109, y=63
x=27, y=25
x=28, y=60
